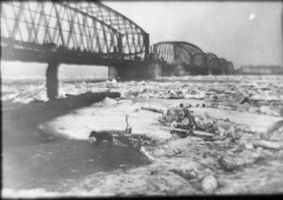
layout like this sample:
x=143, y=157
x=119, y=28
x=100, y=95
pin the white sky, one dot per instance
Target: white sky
x=243, y=32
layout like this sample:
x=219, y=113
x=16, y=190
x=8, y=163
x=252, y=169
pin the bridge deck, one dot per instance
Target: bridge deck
x=30, y=52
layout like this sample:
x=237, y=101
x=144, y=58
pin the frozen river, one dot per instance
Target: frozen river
x=32, y=161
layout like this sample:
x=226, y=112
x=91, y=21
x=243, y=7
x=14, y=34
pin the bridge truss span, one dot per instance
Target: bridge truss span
x=78, y=29
x=191, y=57
x=176, y=52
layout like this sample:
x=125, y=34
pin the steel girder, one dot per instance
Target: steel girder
x=212, y=62
x=176, y=52
x=199, y=60
x=223, y=66
x=219, y=65
x=85, y=27
x=231, y=69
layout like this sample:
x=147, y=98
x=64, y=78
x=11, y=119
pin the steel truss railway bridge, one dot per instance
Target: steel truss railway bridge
x=190, y=58
x=90, y=33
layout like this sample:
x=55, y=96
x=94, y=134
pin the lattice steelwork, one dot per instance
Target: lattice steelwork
x=212, y=61
x=223, y=65
x=199, y=59
x=230, y=67
x=174, y=52
x=133, y=37
x=78, y=26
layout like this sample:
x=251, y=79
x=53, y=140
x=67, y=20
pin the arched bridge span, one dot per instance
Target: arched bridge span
x=78, y=32
x=191, y=57
x=175, y=51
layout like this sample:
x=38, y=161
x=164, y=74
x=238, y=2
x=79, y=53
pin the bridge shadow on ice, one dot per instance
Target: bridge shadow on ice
x=20, y=121
x=30, y=161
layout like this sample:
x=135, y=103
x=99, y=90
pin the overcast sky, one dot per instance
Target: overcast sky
x=243, y=32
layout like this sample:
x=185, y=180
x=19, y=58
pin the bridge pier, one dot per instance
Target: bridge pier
x=139, y=71
x=179, y=70
x=175, y=70
x=153, y=70
x=52, y=82
x=210, y=71
x=112, y=73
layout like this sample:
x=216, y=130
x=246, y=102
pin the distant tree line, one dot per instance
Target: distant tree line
x=260, y=69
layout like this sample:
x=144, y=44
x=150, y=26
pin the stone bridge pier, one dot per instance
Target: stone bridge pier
x=52, y=81
x=137, y=71
x=174, y=69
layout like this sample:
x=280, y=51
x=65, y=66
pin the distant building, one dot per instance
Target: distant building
x=260, y=69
